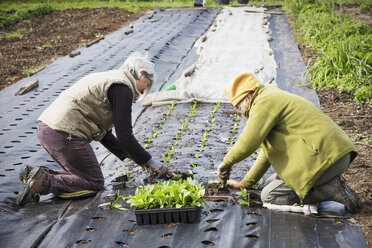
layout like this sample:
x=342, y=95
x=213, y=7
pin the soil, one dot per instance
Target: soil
x=51, y=36
x=48, y=37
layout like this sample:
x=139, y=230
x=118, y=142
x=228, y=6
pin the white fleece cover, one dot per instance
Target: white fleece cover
x=236, y=42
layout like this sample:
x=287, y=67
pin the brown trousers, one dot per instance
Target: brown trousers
x=80, y=169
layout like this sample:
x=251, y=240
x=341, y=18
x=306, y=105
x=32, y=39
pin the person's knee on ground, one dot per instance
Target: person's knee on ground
x=277, y=192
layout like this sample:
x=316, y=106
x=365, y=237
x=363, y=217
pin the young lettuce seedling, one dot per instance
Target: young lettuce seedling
x=245, y=197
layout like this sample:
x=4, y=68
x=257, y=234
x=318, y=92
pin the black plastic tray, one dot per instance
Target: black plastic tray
x=166, y=215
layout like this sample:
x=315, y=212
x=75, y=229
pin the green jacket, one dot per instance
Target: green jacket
x=297, y=139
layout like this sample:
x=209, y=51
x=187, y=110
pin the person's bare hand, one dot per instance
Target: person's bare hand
x=235, y=184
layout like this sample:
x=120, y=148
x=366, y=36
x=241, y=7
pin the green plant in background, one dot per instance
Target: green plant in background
x=169, y=194
x=345, y=48
x=245, y=197
x=19, y=33
x=7, y=19
x=29, y=71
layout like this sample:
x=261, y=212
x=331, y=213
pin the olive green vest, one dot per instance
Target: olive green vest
x=83, y=110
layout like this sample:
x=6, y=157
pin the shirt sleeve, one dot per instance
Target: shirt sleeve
x=113, y=145
x=258, y=126
x=259, y=168
x=120, y=97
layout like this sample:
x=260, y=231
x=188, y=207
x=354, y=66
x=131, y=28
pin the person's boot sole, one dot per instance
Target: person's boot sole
x=26, y=187
x=24, y=173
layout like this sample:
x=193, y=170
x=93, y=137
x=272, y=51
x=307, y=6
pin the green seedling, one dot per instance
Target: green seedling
x=184, y=124
x=165, y=158
x=149, y=139
x=213, y=181
x=258, y=184
x=192, y=164
x=236, y=117
x=154, y=133
x=234, y=128
x=204, y=138
x=161, y=126
x=169, y=194
x=245, y=197
x=175, y=143
x=196, y=155
x=116, y=203
x=176, y=176
x=145, y=146
x=215, y=108
x=178, y=133
x=190, y=172
x=201, y=148
x=130, y=177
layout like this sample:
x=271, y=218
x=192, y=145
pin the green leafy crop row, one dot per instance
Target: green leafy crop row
x=7, y=19
x=169, y=194
x=345, y=48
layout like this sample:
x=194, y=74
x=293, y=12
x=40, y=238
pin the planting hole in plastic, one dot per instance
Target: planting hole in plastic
x=216, y=210
x=212, y=220
x=129, y=231
x=164, y=246
x=91, y=229
x=252, y=224
x=83, y=241
x=254, y=214
x=207, y=242
x=9, y=169
x=1, y=175
x=212, y=229
x=98, y=218
x=251, y=236
x=121, y=243
x=166, y=235
x=132, y=221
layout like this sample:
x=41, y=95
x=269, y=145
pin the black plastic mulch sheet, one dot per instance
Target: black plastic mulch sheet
x=168, y=37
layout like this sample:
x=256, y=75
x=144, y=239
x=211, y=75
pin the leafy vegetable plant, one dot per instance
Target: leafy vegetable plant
x=245, y=197
x=169, y=194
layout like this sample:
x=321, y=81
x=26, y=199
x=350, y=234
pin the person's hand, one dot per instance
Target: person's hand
x=156, y=167
x=235, y=184
x=223, y=174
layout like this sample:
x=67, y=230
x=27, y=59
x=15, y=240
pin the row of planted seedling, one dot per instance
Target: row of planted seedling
x=155, y=131
x=234, y=132
x=210, y=124
x=182, y=131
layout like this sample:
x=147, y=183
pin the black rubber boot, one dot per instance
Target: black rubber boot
x=336, y=190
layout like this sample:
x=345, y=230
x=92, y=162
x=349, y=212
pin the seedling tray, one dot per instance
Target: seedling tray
x=166, y=215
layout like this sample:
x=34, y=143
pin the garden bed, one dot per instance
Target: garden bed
x=19, y=54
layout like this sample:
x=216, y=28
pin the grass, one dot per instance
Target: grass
x=19, y=33
x=345, y=47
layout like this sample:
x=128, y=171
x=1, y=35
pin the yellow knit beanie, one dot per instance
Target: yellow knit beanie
x=241, y=86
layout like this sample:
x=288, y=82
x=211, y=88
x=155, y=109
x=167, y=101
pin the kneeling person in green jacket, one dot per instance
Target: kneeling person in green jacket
x=307, y=149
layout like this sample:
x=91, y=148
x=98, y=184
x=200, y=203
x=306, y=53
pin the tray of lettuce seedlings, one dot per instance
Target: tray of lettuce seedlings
x=168, y=202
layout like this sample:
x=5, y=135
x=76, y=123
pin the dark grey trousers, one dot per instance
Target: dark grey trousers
x=80, y=169
x=275, y=191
